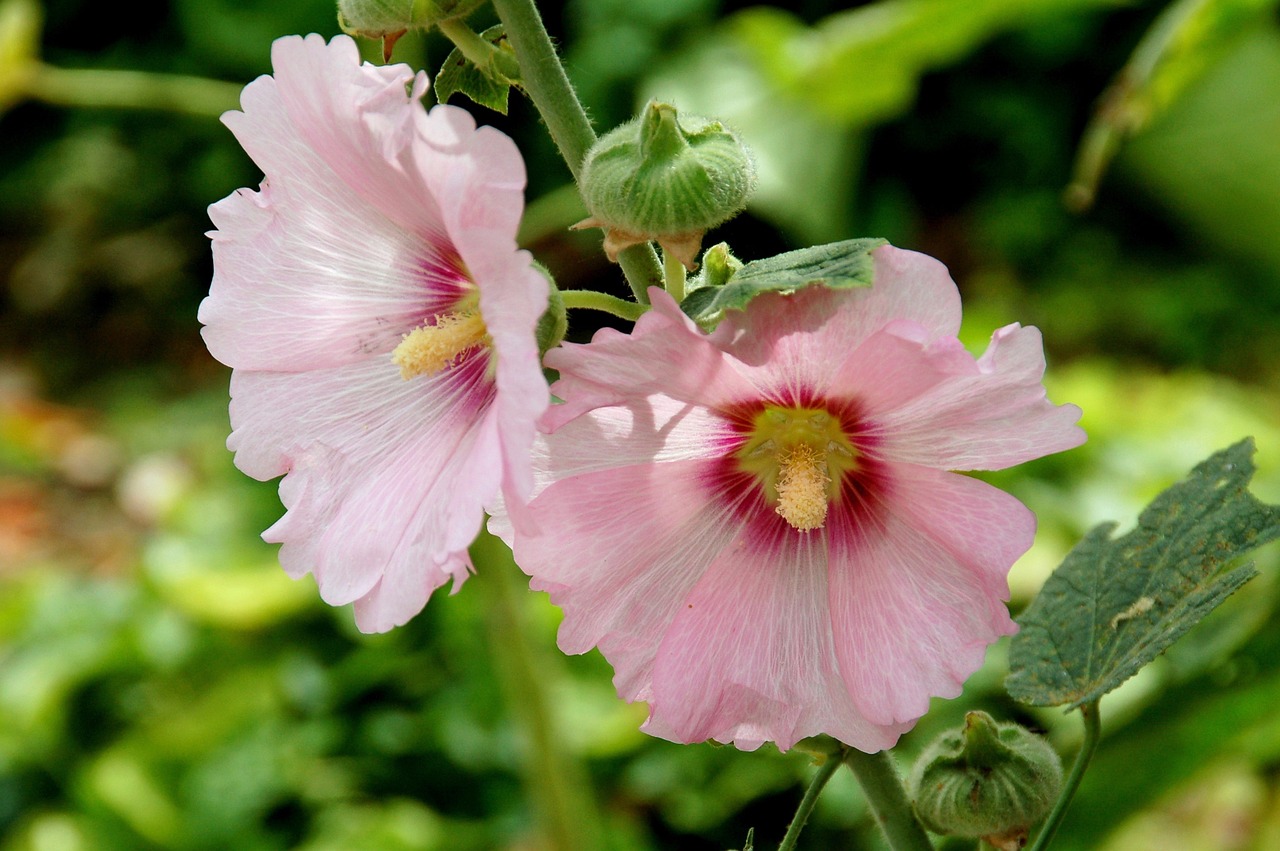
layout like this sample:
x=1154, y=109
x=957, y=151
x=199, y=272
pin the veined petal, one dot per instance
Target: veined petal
x=616, y=366
x=750, y=656
x=994, y=416
x=377, y=484
x=917, y=586
x=328, y=227
x=375, y=218
x=803, y=336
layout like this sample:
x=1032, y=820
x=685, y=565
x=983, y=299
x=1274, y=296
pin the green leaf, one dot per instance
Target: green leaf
x=1114, y=605
x=839, y=265
x=487, y=86
x=751, y=840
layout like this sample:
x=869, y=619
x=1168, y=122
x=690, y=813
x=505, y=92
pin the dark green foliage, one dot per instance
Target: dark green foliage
x=840, y=265
x=1116, y=604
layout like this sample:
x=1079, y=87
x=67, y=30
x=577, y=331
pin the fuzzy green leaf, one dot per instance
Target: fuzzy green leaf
x=839, y=265
x=1115, y=604
x=487, y=86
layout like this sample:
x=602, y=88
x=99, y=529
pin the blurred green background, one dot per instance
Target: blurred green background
x=164, y=686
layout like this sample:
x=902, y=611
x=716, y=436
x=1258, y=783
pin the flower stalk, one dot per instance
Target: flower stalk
x=825, y=772
x=593, y=300
x=554, y=781
x=879, y=780
x=544, y=80
x=1092, y=734
x=110, y=89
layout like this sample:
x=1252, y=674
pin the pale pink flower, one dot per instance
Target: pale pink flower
x=380, y=323
x=757, y=527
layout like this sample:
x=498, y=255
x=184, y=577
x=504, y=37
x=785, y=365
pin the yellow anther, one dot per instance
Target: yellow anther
x=432, y=348
x=802, y=487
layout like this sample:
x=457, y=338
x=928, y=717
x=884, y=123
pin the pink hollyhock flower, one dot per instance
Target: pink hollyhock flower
x=757, y=527
x=380, y=324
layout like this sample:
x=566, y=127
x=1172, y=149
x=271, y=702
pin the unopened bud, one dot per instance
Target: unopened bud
x=986, y=780
x=665, y=177
x=554, y=322
x=390, y=18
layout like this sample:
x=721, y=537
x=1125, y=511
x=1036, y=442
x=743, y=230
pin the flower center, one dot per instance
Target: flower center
x=432, y=348
x=800, y=456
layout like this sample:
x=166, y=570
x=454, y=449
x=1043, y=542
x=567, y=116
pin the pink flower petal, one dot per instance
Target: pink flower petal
x=993, y=417
x=375, y=217
x=917, y=595
x=665, y=550
x=804, y=335
x=593, y=374
x=750, y=655
x=382, y=474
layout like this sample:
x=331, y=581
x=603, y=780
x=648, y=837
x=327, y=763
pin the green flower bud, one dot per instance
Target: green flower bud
x=718, y=266
x=986, y=780
x=554, y=321
x=391, y=18
x=665, y=177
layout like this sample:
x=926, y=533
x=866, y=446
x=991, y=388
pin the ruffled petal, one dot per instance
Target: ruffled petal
x=801, y=338
x=352, y=244
x=750, y=655
x=382, y=475
x=990, y=416
x=614, y=366
x=917, y=587
x=629, y=516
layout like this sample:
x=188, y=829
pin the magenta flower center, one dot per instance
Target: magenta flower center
x=799, y=456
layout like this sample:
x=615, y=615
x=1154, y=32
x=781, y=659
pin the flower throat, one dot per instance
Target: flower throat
x=799, y=456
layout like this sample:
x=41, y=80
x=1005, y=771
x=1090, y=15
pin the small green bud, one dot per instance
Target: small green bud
x=665, y=177
x=986, y=780
x=391, y=18
x=554, y=321
x=718, y=266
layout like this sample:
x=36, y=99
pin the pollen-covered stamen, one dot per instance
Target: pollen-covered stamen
x=801, y=457
x=432, y=348
x=802, y=487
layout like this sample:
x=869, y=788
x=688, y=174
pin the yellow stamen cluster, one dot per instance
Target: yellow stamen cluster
x=432, y=348
x=800, y=456
x=802, y=488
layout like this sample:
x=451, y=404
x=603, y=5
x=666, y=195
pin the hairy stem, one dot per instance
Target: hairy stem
x=879, y=779
x=592, y=300
x=1092, y=734
x=675, y=275
x=543, y=78
x=479, y=52
x=825, y=773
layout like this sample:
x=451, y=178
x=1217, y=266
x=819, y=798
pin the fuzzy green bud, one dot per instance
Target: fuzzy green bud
x=390, y=18
x=667, y=177
x=554, y=321
x=986, y=780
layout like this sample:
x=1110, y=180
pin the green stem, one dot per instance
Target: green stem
x=485, y=55
x=554, y=781
x=92, y=87
x=1092, y=734
x=675, y=275
x=879, y=779
x=825, y=772
x=592, y=300
x=543, y=78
